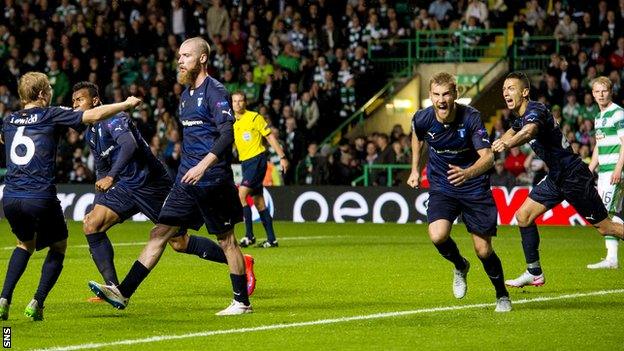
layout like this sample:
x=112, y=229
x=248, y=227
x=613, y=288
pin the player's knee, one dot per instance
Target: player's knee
x=259, y=203
x=59, y=247
x=483, y=251
x=92, y=224
x=523, y=218
x=162, y=234
x=227, y=241
x=438, y=237
x=605, y=228
x=179, y=243
x=27, y=245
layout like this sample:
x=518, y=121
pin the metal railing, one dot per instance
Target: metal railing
x=532, y=54
x=448, y=45
x=366, y=176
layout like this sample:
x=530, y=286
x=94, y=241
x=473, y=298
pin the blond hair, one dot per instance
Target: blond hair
x=443, y=78
x=31, y=85
x=602, y=80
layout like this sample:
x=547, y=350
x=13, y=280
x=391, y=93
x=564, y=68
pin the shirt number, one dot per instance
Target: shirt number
x=21, y=139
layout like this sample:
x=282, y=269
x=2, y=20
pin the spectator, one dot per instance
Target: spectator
x=566, y=30
x=571, y=110
x=371, y=153
x=313, y=168
x=218, y=21
x=345, y=170
x=178, y=27
x=294, y=144
x=441, y=10
x=307, y=111
x=502, y=177
x=386, y=156
x=478, y=10
x=514, y=163
x=251, y=90
x=262, y=70
x=59, y=82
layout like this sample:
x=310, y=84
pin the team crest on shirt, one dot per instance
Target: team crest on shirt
x=199, y=101
x=462, y=132
x=247, y=136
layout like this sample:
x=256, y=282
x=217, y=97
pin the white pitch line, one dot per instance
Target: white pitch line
x=321, y=322
x=141, y=243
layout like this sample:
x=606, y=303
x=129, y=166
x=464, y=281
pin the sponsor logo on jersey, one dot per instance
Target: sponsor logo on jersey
x=189, y=123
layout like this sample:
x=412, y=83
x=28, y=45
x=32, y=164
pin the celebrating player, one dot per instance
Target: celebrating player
x=568, y=177
x=204, y=185
x=30, y=203
x=141, y=183
x=459, y=157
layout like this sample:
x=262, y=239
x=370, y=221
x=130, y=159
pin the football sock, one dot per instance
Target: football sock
x=239, y=286
x=449, y=250
x=530, y=245
x=494, y=269
x=267, y=222
x=133, y=279
x=50, y=271
x=205, y=248
x=17, y=266
x=612, y=244
x=248, y=222
x=103, y=255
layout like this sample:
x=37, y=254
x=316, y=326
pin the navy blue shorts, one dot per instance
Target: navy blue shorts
x=254, y=170
x=577, y=188
x=189, y=206
x=478, y=213
x=43, y=217
x=126, y=202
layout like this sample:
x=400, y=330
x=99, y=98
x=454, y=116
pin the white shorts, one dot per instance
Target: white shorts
x=610, y=194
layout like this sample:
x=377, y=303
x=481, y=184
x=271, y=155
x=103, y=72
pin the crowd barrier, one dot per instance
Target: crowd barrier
x=341, y=204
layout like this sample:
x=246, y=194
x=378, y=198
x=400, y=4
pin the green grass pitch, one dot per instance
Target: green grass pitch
x=324, y=272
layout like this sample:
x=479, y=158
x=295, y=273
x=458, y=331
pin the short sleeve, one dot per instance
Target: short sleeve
x=619, y=122
x=516, y=124
x=65, y=116
x=478, y=133
x=220, y=107
x=118, y=125
x=536, y=116
x=416, y=128
x=261, y=125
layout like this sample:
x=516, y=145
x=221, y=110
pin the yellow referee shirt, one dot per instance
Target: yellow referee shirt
x=249, y=130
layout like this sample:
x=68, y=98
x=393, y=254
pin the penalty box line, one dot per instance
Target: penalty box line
x=322, y=322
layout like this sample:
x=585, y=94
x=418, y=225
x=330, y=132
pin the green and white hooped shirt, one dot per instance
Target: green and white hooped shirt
x=609, y=127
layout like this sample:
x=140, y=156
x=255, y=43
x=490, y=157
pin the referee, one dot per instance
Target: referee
x=249, y=130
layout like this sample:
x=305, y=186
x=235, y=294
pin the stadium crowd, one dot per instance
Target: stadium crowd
x=302, y=64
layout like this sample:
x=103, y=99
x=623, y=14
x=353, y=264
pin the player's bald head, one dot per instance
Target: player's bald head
x=198, y=46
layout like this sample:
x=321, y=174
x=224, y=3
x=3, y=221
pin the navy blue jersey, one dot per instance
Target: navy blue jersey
x=455, y=144
x=549, y=144
x=102, y=138
x=201, y=112
x=30, y=139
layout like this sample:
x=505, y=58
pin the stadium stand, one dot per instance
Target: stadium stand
x=303, y=64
